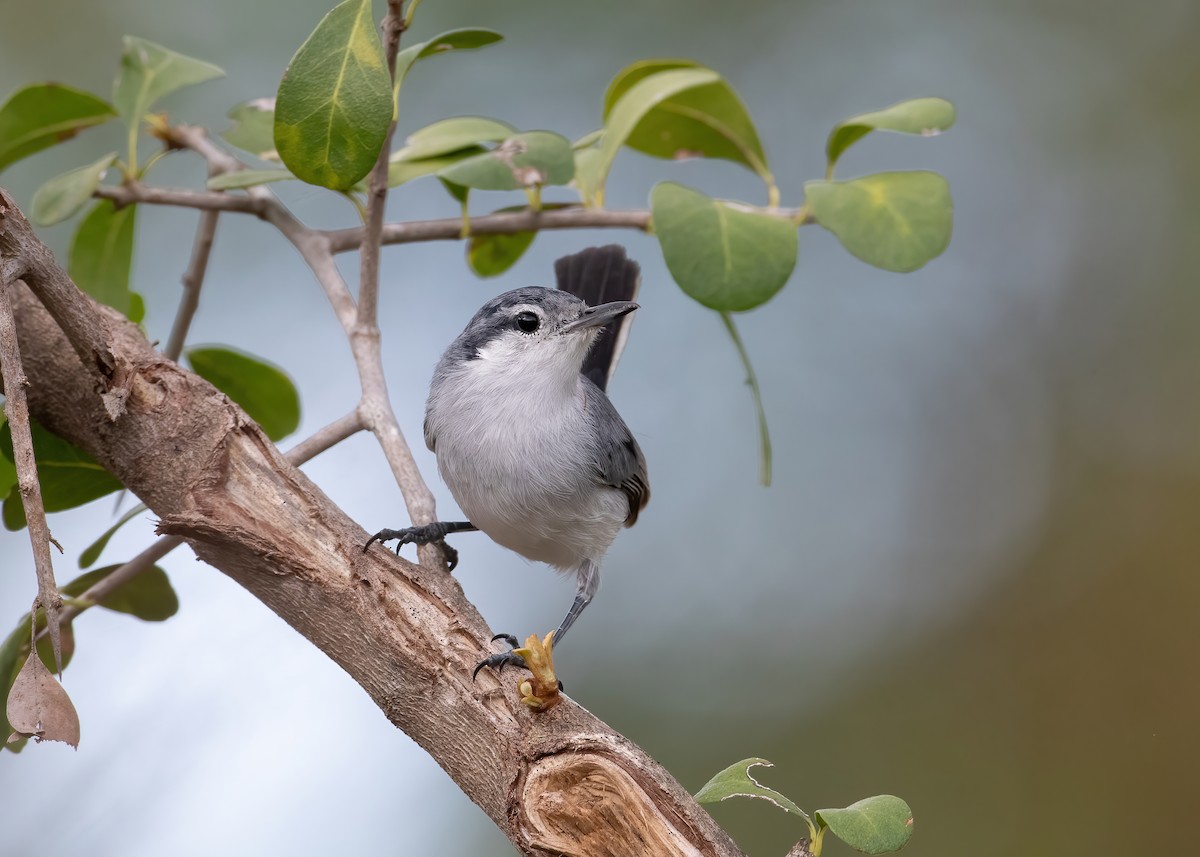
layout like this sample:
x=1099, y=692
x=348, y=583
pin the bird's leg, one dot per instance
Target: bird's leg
x=537, y=656
x=423, y=535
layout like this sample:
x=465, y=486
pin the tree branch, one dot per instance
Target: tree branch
x=555, y=783
x=16, y=409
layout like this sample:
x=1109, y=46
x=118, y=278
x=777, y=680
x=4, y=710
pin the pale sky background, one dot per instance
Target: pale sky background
x=926, y=428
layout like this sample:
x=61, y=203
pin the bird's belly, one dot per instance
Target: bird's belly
x=548, y=511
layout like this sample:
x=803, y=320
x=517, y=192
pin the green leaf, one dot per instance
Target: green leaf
x=707, y=121
x=727, y=257
x=45, y=647
x=894, y=221
x=37, y=116
x=69, y=476
x=150, y=72
x=101, y=257
x=247, y=178
x=335, y=100
x=65, y=194
x=401, y=170
x=253, y=128
x=454, y=40
x=735, y=781
x=8, y=480
x=523, y=160
x=874, y=825
x=264, y=391
x=587, y=174
x=492, y=255
x=92, y=552
x=147, y=595
x=452, y=135
x=633, y=106
x=924, y=116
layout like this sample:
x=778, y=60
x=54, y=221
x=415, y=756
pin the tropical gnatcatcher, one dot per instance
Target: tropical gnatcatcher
x=525, y=437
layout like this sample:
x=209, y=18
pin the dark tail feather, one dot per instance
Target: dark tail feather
x=599, y=275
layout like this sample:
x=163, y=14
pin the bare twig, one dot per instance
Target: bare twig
x=127, y=194
x=16, y=408
x=193, y=279
x=329, y=436
x=368, y=290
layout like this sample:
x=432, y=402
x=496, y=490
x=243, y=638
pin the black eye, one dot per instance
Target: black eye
x=527, y=322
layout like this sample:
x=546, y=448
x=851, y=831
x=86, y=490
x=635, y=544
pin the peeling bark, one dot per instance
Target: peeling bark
x=559, y=782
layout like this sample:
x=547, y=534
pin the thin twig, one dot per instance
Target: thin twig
x=127, y=194
x=16, y=408
x=329, y=436
x=193, y=279
x=368, y=289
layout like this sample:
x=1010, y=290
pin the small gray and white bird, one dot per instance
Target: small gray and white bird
x=526, y=439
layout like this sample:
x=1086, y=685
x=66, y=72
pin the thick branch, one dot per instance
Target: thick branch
x=17, y=410
x=555, y=783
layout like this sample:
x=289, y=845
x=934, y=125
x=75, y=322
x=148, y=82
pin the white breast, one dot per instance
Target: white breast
x=508, y=446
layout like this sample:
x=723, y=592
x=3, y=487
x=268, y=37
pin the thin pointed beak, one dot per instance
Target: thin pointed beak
x=598, y=316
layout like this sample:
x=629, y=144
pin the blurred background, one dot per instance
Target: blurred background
x=974, y=583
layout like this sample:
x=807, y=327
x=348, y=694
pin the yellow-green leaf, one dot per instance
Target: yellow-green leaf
x=726, y=256
x=924, y=116
x=895, y=221
x=335, y=100
x=253, y=128
x=636, y=102
x=65, y=194
x=452, y=135
x=874, y=825
x=150, y=72
x=524, y=160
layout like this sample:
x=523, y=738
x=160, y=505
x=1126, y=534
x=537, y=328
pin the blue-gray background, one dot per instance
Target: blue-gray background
x=974, y=581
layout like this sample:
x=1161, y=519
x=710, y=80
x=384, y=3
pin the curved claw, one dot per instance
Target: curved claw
x=508, y=638
x=498, y=662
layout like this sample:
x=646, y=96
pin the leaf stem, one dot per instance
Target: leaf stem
x=764, y=436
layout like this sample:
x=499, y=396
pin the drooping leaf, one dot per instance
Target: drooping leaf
x=524, y=160
x=727, y=257
x=335, y=100
x=39, y=707
x=587, y=174
x=147, y=595
x=69, y=477
x=924, y=116
x=492, y=255
x=629, y=110
x=874, y=825
x=247, y=178
x=735, y=781
x=707, y=121
x=452, y=135
x=264, y=391
x=101, y=257
x=65, y=194
x=92, y=552
x=895, y=221
x=253, y=130
x=402, y=170
x=454, y=40
x=37, y=116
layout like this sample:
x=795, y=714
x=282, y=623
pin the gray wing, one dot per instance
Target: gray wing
x=619, y=460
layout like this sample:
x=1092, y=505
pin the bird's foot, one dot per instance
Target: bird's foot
x=541, y=691
x=434, y=533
